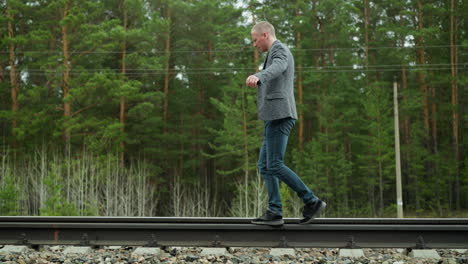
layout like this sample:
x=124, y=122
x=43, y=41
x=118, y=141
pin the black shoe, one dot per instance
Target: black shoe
x=311, y=211
x=269, y=219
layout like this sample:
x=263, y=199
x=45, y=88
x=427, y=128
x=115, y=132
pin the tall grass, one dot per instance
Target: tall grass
x=83, y=184
x=194, y=199
x=251, y=198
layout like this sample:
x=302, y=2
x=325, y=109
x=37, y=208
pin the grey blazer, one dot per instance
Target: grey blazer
x=275, y=92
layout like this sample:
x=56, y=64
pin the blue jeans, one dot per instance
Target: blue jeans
x=272, y=168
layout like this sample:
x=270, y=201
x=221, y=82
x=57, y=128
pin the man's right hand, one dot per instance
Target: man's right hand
x=252, y=81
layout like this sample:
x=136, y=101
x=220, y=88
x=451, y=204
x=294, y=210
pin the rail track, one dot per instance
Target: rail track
x=235, y=232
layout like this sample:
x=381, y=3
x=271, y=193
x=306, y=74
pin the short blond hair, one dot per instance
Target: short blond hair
x=264, y=26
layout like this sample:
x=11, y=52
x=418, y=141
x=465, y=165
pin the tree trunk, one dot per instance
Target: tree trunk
x=255, y=55
x=434, y=119
x=13, y=78
x=2, y=77
x=246, y=151
x=454, y=100
x=432, y=105
x=367, y=85
x=168, y=55
x=123, y=99
x=422, y=74
x=299, y=86
x=381, y=182
x=323, y=65
x=66, y=80
x=404, y=86
x=316, y=55
x=407, y=122
x=366, y=38
x=201, y=90
x=52, y=50
x=421, y=59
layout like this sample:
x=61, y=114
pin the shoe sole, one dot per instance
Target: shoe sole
x=271, y=223
x=324, y=204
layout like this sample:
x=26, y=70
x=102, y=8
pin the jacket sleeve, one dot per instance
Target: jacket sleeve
x=278, y=66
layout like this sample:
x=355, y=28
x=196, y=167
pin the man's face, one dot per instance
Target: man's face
x=260, y=41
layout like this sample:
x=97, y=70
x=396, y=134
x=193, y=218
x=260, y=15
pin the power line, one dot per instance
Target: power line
x=248, y=72
x=234, y=50
x=354, y=67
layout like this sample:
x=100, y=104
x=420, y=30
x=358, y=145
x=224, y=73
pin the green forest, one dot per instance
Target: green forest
x=140, y=108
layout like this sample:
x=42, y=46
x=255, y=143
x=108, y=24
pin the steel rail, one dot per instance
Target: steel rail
x=235, y=232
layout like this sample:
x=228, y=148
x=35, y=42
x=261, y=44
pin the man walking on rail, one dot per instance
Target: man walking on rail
x=277, y=108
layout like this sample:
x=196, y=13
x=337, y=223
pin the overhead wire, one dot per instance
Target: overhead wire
x=235, y=50
x=218, y=70
x=248, y=72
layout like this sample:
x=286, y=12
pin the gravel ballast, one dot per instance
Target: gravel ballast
x=123, y=255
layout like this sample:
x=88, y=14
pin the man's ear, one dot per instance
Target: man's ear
x=265, y=34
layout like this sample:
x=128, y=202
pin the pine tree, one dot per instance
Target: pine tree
x=161, y=84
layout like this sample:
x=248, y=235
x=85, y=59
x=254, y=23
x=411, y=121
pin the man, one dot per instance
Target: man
x=277, y=107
